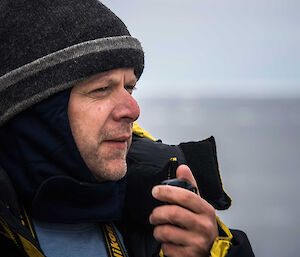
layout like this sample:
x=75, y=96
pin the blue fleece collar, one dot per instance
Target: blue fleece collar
x=39, y=154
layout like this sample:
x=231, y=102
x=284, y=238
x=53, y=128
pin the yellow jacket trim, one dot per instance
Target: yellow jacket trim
x=223, y=188
x=161, y=253
x=7, y=232
x=29, y=248
x=29, y=224
x=222, y=183
x=222, y=244
x=140, y=132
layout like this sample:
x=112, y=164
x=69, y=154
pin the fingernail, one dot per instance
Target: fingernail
x=155, y=191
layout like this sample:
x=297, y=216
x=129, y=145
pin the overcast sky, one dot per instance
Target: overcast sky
x=199, y=48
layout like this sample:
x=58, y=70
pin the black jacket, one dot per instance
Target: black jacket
x=148, y=164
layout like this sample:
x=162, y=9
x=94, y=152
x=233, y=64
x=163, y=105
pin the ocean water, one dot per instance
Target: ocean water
x=258, y=146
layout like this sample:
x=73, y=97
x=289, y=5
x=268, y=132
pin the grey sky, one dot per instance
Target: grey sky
x=197, y=48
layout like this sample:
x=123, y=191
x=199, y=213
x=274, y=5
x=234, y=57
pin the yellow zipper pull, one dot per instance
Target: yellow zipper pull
x=173, y=165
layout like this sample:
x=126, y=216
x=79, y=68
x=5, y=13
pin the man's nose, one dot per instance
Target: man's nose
x=126, y=108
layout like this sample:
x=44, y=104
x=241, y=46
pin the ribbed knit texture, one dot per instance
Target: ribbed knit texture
x=47, y=46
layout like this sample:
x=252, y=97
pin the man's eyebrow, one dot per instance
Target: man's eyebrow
x=107, y=78
x=104, y=79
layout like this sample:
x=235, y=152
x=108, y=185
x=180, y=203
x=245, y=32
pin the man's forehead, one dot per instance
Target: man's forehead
x=111, y=77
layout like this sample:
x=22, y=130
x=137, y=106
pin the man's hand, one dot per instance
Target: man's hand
x=187, y=226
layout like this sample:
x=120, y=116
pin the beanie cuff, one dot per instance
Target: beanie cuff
x=35, y=81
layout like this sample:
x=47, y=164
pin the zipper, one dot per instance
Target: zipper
x=172, y=167
x=9, y=232
x=27, y=247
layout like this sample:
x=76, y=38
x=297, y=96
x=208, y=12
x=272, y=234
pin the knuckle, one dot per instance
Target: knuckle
x=207, y=227
x=210, y=230
x=155, y=211
x=157, y=234
x=211, y=211
x=165, y=231
x=196, y=222
x=173, y=214
x=161, y=233
x=200, y=244
x=187, y=196
x=157, y=215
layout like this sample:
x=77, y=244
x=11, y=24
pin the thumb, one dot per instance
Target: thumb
x=184, y=172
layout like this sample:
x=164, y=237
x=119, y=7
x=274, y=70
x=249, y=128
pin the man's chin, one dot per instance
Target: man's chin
x=114, y=170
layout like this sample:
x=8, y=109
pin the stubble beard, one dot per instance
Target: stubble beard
x=110, y=167
x=107, y=163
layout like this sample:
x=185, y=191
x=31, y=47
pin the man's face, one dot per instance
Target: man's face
x=101, y=113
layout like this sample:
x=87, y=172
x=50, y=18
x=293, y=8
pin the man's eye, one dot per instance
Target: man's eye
x=99, y=92
x=130, y=88
x=100, y=89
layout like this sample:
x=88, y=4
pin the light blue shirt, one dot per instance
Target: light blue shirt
x=71, y=240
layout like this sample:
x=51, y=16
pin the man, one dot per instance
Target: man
x=67, y=111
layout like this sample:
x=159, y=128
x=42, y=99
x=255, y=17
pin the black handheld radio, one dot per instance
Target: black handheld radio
x=173, y=181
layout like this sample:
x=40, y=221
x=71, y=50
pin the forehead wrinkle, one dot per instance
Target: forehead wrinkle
x=106, y=77
x=109, y=79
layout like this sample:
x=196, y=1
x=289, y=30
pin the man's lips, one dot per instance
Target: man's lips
x=119, y=139
x=119, y=142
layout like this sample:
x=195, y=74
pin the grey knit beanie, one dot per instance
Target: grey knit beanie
x=48, y=45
